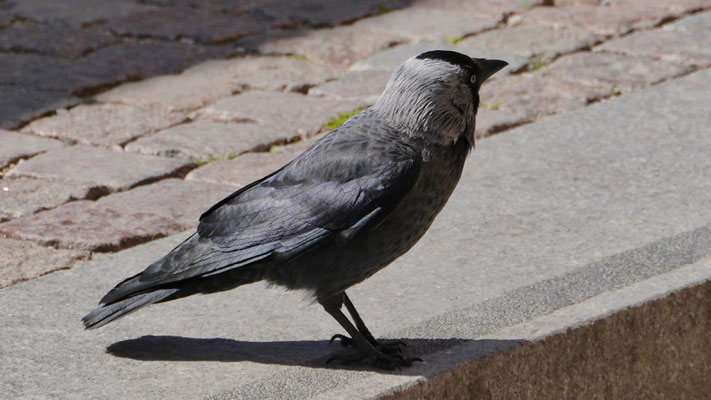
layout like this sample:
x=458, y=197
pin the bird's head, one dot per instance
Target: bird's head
x=435, y=95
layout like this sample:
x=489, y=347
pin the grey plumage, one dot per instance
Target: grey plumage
x=348, y=206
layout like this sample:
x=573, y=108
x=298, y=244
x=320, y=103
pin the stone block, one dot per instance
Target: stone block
x=616, y=72
x=360, y=86
x=92, y=165
x=176, y=199
x=21, y=196
x=320, y=13
x=86, y=225
x=204, y=140
x=75, y=12
x=16, y=146
x=534, y=41
x=340, y=46
x=50, y=73
x=175, y=23
x=289, y=112
x=19, y=104
x=427, y=25
x=57, y=40
x=249, y=167
x=21, y=260
x=265, y=73
x=669, y=45
x=104, y=124
x=696, y=23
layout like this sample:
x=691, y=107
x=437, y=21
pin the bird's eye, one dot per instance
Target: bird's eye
x=472, y=79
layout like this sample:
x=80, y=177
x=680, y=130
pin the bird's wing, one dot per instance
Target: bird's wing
x=344, y=184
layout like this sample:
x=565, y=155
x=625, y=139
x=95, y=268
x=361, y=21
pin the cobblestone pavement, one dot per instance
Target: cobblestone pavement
x=116, y=114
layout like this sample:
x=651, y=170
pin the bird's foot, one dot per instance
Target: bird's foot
x=391, y=347
x=378, y=359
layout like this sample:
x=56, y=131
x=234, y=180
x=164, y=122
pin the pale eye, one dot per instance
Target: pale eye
x=472, y=79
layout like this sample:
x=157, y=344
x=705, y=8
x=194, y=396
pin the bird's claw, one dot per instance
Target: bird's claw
x=379, y=360
x=345, y=340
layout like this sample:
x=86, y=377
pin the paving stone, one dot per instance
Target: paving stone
x=92, y=165
x=179, y=200
x=5, y=18
x=21, y=196
x=53, y=40
x=87, y=225
x=21, y=260
x=104, y=124
x=612, y=20
x=361, y=86
x=19, y=104
x=391, y=58
x=134, y=60
x=496, y=9
x=515, y=100
x=289, y=112
x=203, y=140
x=50, y=73
x=674, y=46
x=267, y=73
x=696, y=23
x=249, y=167
x=534, y=40
x=320, y=13
x=614, y=71
x=173, y=23
x=340, y=46
x=427, y=25
x=67, y=10
x=16, y=146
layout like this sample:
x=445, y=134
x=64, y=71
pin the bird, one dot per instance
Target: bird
x=349, y=205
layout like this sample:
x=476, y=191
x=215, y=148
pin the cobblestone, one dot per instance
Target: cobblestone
x=674, y=46
x=53, y=40
x=20, y=104
x=50, y=73
x=696, y=23
x=21, y=196
x=91, y=165
x=86, y=225
x=75, y=12
x=176, y=199
x=616, y=72
x=104, y=124
x=21, y=260
x=360, y=86
x=16, y=146
x=249, y=167
x=203, y=140
x=290, y=112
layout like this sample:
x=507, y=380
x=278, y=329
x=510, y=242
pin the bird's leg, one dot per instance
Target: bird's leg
x=367, y=350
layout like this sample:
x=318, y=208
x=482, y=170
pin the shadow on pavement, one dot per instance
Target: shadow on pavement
x=307, y=353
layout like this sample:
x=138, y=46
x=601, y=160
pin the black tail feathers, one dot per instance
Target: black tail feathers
x=113, y=311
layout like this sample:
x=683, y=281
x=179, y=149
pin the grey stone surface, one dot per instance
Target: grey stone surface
x=674, y=46
x=249, y=167
x=53, y=39
x=417, y=24
x=204, y=140
x=20, y=104
x=22, y=260
x=50, y=73
x=113, y=169
x=104, y=124
x=25, y=196
x=696, y=23
x=179, y=200
x=289, y=112
x=551, y=224
x=325, y=46
x=361, y=86
x=534, y=41
x=614, y=72
x=66, y=10
x=391, y=58
x=16, y=146
x=87, y=225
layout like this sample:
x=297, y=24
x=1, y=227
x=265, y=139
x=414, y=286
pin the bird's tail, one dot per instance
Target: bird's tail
x=110, y=312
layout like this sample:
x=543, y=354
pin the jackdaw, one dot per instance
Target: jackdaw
x=356, y=200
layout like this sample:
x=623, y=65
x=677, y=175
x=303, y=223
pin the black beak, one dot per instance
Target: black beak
x=488, y=67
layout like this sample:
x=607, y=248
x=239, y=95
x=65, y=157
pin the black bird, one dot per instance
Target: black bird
x=356, y=200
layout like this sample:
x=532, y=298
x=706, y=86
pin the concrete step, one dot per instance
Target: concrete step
x=553, y=225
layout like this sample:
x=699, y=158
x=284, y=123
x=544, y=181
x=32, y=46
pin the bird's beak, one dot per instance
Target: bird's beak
x=488, y=67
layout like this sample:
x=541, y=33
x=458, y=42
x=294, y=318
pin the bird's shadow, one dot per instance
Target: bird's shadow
x=308, y=353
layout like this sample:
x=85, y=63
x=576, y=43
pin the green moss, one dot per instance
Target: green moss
x=454, y=40
x=383, y=9
x=614, y=90
x=200, y=161
x=535, y=63
x=341, y=118
x=492, y=107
